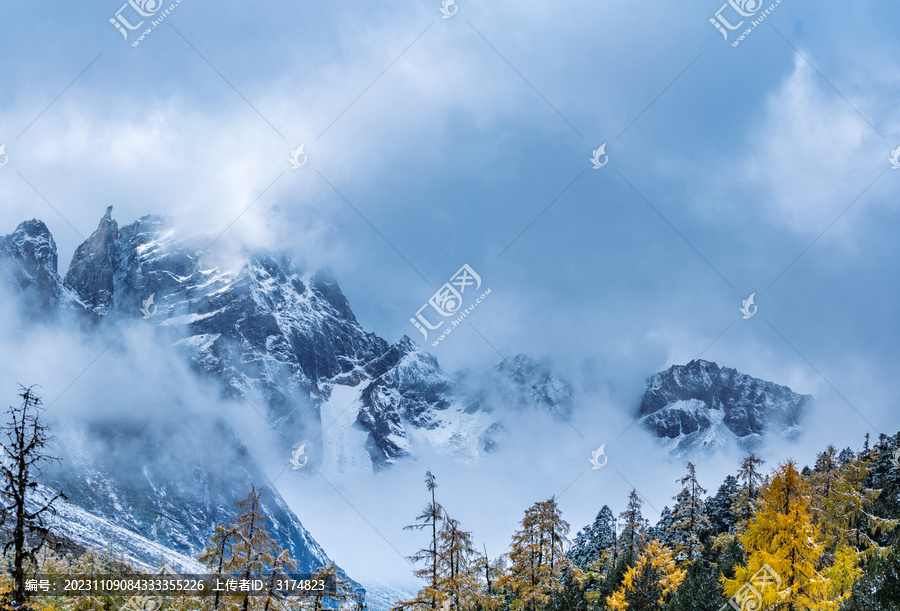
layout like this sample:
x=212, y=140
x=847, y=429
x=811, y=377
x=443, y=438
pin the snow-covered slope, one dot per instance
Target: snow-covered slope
x=384, y=598
x=703, y=406
x=171, y=482
x=73, y=524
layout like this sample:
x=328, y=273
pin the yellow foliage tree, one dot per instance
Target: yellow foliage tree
x=841, y=575
x=782, y=535
x=537, y=557
x=649, y=582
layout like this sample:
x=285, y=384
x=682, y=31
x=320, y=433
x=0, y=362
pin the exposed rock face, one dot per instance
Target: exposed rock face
x=30, y=266
x=93, y=265
x=701, y=405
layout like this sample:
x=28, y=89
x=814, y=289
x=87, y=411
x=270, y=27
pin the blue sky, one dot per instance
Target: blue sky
x=761, y=168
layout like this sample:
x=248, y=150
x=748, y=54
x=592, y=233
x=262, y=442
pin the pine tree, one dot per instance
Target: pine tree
x=595, y=539
x=661, y=529
x=492, y=595
x=751, y=481
x=100, y=563
x=245, y=549
x=842, y=575
x=569, y=597
x=253, y=549
x=336, y=586
x=782, y=535
x=700, y=590
x=537, y=556
x=878, y=587
x=282, y=564
x=215, y=555
x=846, y=455
x=23, y=460
x=648, y=583
x=632, y=539
x=457, y=558
x=745, y=496
x=887, y=594
x=848, y=515
x=689, y=519
x=824, y=477
x=718, y=508
x=430, y=518
x=601, y=579
x=882, y=475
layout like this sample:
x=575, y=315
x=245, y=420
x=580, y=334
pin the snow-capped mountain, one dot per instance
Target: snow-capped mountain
x=265, y=327
x=29, y=262
x=133, y=477
x=703, y=406
x=267, y=331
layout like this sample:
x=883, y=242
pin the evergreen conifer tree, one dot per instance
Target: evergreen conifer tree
x=634, y=531
x=595, y=539
x=689, y=519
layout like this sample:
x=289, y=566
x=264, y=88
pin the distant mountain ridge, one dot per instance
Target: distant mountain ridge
x=701, y=406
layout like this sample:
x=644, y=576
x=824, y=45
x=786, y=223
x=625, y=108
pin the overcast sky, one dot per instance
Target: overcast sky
x=432, y=142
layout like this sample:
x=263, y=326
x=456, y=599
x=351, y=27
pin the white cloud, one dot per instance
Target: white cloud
x=810, y=156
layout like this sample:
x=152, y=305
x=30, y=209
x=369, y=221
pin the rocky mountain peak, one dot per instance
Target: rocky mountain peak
x=93, y=266
x=33, y=245
x=701, y=404
x=29, y=258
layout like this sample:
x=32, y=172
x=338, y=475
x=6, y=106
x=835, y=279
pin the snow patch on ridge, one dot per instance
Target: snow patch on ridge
x=343, y=440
